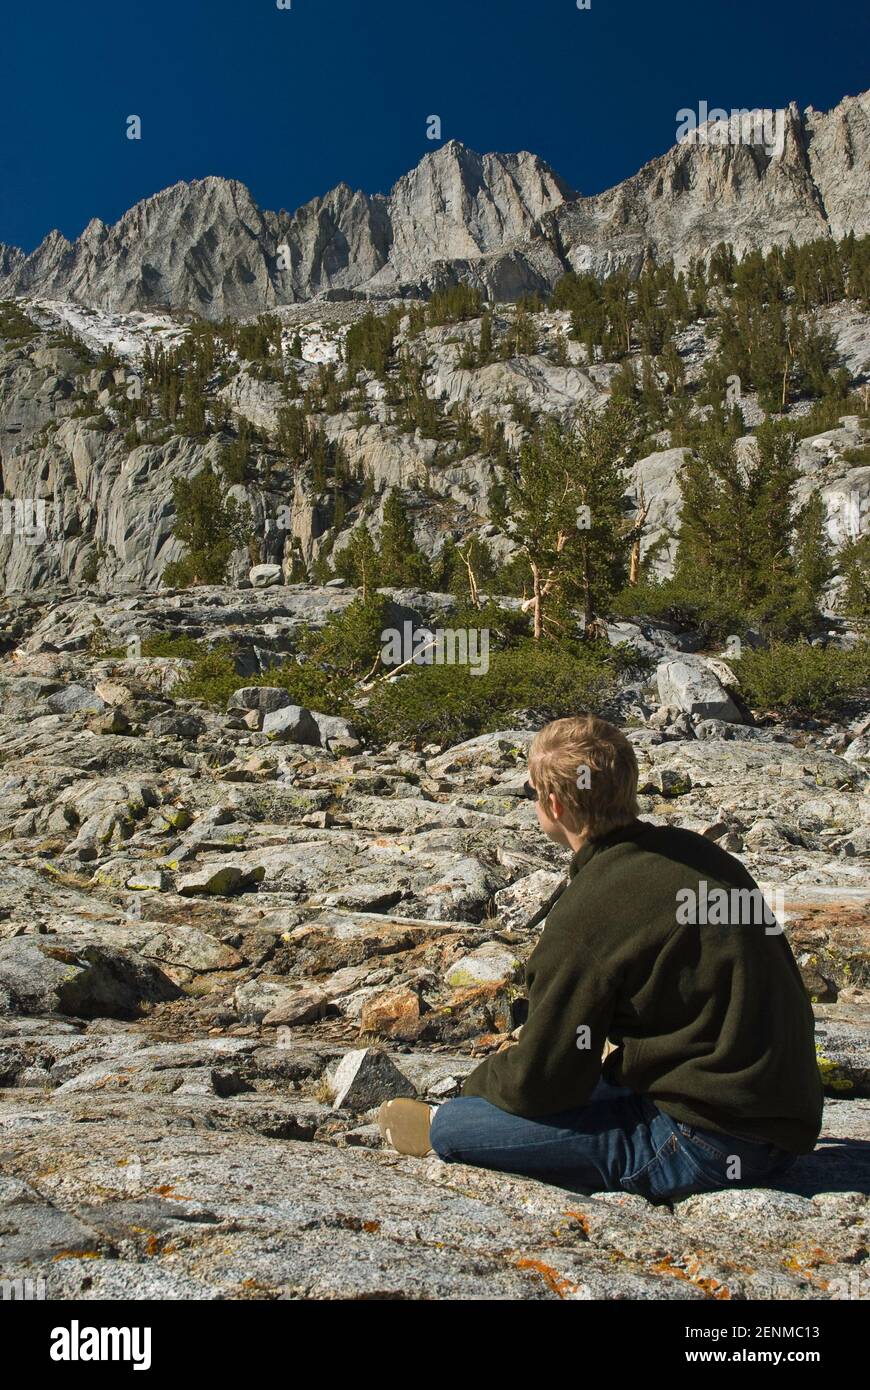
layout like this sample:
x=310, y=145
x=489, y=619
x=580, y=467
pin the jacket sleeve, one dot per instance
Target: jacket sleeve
x=556, y=1063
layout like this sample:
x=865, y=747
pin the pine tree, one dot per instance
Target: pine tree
x=464, y=568
x=736, y=519
x=814, y=565
x=566, y=506
x=859, y=270
x=445, y=566
x=815, y=354
x=210, y=525
x=651, y=395
x=623, y=384
x=193, y=419
x=496, y=504
x=359, y=562
x=402, y=562
x=603, y=447
x=484, y=347
x=854, y=562
x=522, y=340
x=672, y=366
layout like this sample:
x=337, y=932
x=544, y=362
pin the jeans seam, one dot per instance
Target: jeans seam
x=695, y=1138
x=526, y=1147
x=749, y=1173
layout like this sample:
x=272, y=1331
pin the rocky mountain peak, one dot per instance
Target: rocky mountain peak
x=505, y=222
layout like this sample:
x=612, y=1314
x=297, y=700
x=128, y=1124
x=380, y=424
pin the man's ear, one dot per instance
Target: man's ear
x=555, y=807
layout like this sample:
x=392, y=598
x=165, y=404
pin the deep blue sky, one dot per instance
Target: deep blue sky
x=291, y=102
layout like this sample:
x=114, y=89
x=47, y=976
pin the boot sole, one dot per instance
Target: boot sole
x=405, y=1125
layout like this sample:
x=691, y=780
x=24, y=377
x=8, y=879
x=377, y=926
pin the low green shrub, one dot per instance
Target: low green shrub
x=173, y=644
x=15, y=326
x=826, y=414
x=797, y=678
x=214, y=676
x=858, y=456
x=672, y=600
x=446, y=704
x=330, y=660
x=427, y=703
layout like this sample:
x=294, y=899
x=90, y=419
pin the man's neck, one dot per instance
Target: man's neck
x=576, y=839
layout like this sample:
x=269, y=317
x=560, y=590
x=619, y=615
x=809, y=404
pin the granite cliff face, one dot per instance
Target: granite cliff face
x=813, y=180
x=108, y=501
x=504, y=222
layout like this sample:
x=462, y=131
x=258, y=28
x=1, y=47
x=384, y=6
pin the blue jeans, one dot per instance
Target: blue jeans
x=618, y=1141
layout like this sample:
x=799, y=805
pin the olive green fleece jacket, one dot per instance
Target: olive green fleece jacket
x=712, y=1022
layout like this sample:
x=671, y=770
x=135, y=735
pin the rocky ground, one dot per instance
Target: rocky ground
x=223, y=945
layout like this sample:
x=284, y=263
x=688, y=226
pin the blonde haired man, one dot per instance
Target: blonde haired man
x=712, y=1080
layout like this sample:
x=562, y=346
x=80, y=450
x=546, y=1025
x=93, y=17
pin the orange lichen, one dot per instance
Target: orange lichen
x=804, y=1260
x=581, y=1218
x=168, y=1191
x=689, y=1269
x=550, y=1276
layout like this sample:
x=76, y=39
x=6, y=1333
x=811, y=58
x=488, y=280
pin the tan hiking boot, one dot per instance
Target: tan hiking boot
x=405, y=1125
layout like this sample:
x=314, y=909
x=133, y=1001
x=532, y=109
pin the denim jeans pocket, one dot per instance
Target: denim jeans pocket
x=669, y=1174
x=733, y=1162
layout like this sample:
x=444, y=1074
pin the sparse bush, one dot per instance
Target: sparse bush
x=99, y=642
x=91, y=568
x=453, y=305
x=213, y=678
x=329, y=660
x=826, y=415
x=173, y=645
x=15, y=326
x=858, y=457
x=369, y=342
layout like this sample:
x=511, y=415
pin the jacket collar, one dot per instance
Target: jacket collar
x=632, y=831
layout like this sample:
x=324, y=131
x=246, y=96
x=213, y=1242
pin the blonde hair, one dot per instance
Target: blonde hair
x=590, y=766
